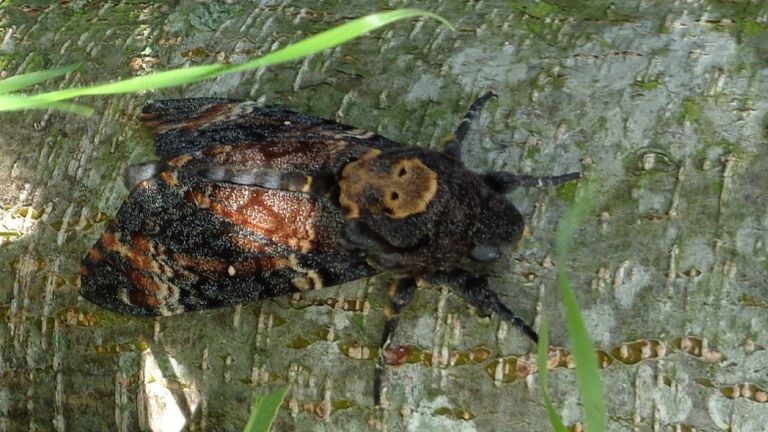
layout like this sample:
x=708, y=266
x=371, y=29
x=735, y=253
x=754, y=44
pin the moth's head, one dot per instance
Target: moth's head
x=498, y=224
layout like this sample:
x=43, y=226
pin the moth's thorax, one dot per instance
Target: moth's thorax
x=416, y=210
x=396, y=185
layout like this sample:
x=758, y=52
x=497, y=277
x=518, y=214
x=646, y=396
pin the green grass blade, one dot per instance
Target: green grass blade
x=19, y=102
x=264, y=410
x=19, y=82
x=82, y=110
x=148, y=82
x=572, y=218
x=336, y=36
x=542, y=355
x=587, y=373
x=313, y=44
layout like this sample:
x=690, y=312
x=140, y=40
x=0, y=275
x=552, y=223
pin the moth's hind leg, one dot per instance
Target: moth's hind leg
x=453, y=146
x=477, y=293
x=400, y=295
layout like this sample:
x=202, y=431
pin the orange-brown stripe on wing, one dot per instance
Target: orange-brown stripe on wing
x=285, y=218
x=138, y=263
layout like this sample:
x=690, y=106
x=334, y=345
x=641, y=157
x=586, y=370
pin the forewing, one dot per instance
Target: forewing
x=181, y=242
x=187, y=126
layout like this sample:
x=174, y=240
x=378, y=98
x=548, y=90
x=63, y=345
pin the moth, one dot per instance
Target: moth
x=247, y=202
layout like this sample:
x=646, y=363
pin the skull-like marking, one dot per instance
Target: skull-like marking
x=399, y=189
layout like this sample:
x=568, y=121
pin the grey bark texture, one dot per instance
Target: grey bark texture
x=662, y=104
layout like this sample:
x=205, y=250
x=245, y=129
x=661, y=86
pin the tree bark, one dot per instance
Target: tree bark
x=661, y=104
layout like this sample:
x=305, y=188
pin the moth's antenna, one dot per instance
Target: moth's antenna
x=453, y=146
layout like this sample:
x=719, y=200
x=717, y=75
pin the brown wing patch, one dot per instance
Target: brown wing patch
x=285, y=219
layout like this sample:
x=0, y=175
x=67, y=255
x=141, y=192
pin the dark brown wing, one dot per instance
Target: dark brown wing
x=181, y=242
x=186, y=126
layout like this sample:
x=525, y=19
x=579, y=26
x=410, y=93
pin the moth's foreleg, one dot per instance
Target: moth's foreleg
x=477, y=293
x=400, y=294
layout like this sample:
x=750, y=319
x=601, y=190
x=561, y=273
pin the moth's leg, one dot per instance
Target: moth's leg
x=477, y=293
x=453, y=146
x=503, y=182
x=400, y=295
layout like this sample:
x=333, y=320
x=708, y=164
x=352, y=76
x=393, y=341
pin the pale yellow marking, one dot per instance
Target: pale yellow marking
x=307, y=184
x=355, y=133
x=200, y=200
x=410, y=188
x=317, y=281
x=305, y=245
x=169, y=177
x=231, y=270
x=179, y=161
x=352, y=182
x=308, y=279
x=301, y=282
x=215, y=150
x=405, y=190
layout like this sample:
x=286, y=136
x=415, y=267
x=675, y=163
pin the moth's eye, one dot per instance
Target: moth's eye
x=484, y=253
